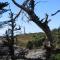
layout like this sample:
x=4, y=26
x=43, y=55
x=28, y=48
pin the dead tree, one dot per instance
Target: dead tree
x=9, y=42
x=43, y=25
x=12, y=25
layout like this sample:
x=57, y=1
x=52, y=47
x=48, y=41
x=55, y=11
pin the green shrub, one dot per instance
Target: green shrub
x=37, y=43
x=29, y=45
x=55, y=57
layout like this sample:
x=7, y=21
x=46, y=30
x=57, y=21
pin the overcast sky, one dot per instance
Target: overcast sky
x=44, y=6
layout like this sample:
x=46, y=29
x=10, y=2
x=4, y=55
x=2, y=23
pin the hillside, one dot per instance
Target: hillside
x=23, y=39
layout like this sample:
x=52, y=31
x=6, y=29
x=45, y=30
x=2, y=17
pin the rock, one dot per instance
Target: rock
x=35, y=54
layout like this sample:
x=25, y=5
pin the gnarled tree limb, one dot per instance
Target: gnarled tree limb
x=35, y=19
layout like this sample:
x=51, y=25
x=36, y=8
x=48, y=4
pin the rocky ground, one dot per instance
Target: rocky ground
x=27, y=54
x=35, y=54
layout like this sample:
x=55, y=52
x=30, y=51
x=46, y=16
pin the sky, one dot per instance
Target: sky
x=43, y=7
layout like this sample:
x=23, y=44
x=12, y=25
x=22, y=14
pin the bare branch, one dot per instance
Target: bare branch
x=42, y=20
x=17, y=15
x=40, y=1
x=4, y=10
x=22, y=6
x=55, y=13
x=46, y=19
x=25, y=2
